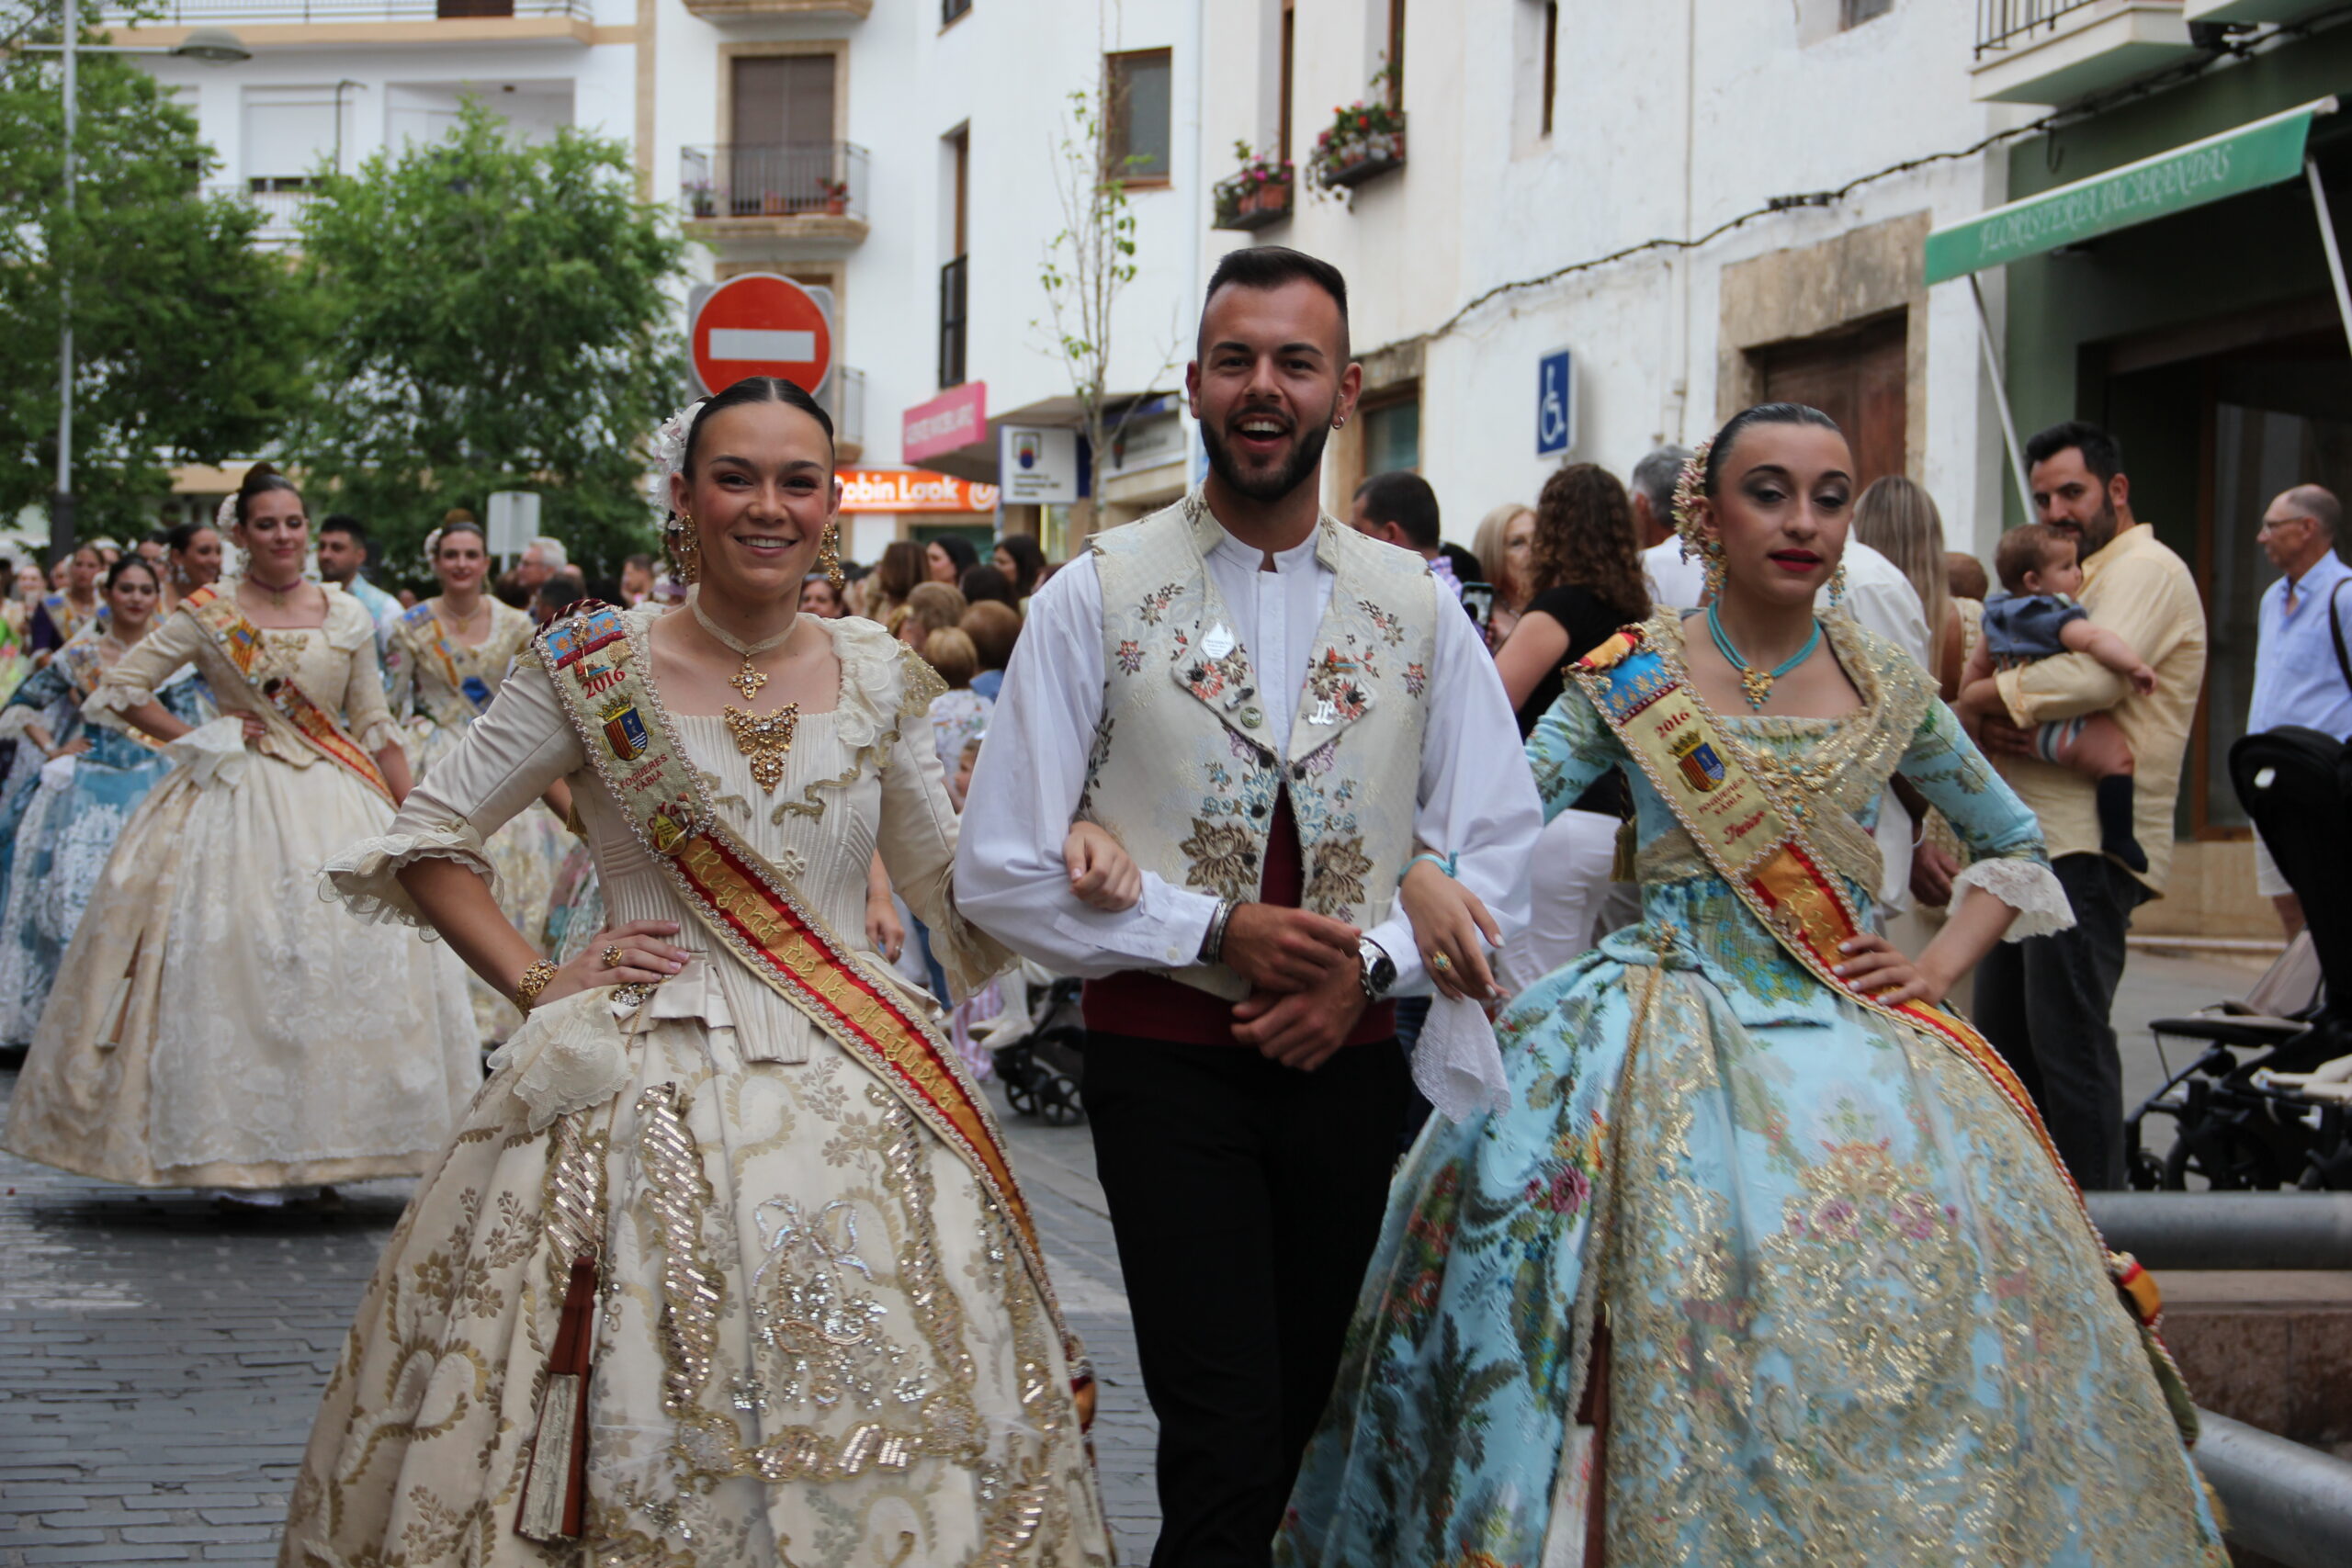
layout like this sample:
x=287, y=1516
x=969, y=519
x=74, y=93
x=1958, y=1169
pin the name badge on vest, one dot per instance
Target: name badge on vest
x=1219, y=642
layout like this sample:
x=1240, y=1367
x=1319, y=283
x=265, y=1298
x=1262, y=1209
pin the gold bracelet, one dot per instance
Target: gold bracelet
x=535, y=980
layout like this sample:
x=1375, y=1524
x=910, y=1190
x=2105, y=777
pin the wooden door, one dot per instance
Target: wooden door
x=1856, y=376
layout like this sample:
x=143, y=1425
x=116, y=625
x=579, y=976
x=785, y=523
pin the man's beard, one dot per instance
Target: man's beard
x=2100, y=532
x=1283, y=480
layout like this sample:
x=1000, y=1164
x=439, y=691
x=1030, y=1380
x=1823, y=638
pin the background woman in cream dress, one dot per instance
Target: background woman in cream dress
x=213, y=1023
x=448, y=658
x=816, y=1339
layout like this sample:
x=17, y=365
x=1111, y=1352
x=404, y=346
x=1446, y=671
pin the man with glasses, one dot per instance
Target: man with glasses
x=2302, y=661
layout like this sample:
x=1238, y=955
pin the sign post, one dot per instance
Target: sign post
x=760, y=324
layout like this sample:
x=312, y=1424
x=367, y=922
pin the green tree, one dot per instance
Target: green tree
x=187, y=346
x=493, y=316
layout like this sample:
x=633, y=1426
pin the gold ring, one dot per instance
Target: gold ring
x=1441, y=963
x=612, y=957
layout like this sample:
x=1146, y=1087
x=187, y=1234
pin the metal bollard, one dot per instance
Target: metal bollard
x=2285, y=1501
x=2228, y=1230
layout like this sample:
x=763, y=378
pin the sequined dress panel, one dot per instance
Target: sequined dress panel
x=1854, y=1317
x=816, y=1343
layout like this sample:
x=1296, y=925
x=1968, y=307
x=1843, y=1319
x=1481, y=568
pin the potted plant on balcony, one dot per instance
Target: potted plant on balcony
x=1256, y=194
x=835, y=196
x=1365, y=139
x=699, y=200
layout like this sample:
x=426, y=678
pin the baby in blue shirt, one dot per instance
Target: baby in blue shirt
x=2035, y=618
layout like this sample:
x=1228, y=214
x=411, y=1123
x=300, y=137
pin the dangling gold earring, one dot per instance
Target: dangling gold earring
x=829, y=553
x=685, y=553
x=1711, y=556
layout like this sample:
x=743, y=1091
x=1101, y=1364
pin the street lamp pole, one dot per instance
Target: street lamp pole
x=61, y=505
x=213, y=45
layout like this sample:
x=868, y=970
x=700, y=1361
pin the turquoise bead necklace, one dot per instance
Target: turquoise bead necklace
x=1755, y=684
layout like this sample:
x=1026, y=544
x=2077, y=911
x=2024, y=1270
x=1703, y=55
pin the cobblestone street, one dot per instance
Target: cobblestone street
x=160, y=1363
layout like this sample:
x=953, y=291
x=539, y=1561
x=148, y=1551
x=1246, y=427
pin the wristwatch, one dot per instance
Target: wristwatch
x=1379, y=969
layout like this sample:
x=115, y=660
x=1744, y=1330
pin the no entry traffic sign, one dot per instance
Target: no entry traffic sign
x=760, y=324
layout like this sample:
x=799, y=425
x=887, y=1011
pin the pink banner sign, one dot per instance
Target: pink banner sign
x=957, y=417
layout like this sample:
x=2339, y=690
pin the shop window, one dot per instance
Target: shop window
x=1136, y=92
x=1392, y=434
x=1854, y=13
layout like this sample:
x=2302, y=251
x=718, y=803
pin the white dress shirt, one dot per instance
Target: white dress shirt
x=1476, y=797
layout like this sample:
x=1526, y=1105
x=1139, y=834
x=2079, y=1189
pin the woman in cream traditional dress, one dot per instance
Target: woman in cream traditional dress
x=1763, y=1260
x=89, y=788
x=784, y=1261
x=213, y=1023
x=448, y=658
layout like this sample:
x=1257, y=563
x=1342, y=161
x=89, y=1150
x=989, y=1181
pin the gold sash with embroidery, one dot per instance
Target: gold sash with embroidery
x=756, y=912
x=1755, y=845
x=241, y=641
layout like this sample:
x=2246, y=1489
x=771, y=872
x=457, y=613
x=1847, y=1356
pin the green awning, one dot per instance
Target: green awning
x=2264, y=152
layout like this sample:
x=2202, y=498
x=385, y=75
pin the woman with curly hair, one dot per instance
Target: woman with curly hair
x=1584, y=583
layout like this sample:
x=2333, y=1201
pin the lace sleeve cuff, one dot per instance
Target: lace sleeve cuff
x=969, y=957
x=110, y=702
x=15, y=720
x=377, y=736
x=365, y=878
x=2028, y=886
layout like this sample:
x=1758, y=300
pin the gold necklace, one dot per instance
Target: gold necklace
x=763, y=740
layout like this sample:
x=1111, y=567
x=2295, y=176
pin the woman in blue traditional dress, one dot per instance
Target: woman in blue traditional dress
x=88, y=788
x=46, y=701
x=1763, y=1259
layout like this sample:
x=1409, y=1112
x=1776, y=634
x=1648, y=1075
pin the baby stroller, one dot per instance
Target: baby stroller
x=1039, y=1051
x=2267, y=1102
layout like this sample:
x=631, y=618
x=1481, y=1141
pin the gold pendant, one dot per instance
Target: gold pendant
x=1756, y=686
x=748, y=681
x=765, y=738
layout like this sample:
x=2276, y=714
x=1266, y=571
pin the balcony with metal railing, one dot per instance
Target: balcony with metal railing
x=281, y=212
x=752, y=203
x=275, y=22
x=823, y=11
x=2060, y=51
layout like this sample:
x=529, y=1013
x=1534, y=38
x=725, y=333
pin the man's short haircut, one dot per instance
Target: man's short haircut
x=2102, y=454
x=2318, y=504
x=2028, y=548
x=1404, y=498
x=1655, y=477
x=1271, y=266
x=552, y=555
x=344, y=523
x=565, y=585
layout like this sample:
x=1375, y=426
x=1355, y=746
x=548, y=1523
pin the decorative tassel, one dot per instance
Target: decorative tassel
x=554, y=1489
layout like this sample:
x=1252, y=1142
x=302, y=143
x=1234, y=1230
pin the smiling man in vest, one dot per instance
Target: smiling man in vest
x=1268, y=710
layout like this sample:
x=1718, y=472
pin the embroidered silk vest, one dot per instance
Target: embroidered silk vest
x=1184, y=770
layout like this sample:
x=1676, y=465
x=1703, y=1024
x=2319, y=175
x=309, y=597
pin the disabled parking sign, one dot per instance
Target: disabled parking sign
x=1555, y=425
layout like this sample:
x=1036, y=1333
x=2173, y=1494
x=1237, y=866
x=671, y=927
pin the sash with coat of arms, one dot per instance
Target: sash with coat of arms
x=241, y=641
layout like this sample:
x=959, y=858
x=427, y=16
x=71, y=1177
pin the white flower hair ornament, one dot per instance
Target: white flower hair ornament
x=224, y=516
x=669, y=440
x=432, y=546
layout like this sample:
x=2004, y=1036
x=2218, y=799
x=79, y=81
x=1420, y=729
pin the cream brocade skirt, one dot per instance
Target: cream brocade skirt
x=216, y=1024
x=814, y=1344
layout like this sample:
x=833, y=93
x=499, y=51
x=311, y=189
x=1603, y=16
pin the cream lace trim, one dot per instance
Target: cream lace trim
x=112, y=700
x=14, y=721
x=364, y=878
x=567, y=1056
x=2028, y=886
x=213, y=754
x=377, y=736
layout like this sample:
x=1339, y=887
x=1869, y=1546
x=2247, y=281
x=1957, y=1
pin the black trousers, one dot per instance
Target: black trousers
x=1246, y=1199
x=2044, y=1002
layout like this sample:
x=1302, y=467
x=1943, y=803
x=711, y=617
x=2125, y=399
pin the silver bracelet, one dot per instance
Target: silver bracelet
x=1212, y=940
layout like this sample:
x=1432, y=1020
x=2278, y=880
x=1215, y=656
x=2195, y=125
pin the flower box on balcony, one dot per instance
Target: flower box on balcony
x=1365, y=139
x=1352, y=162
x=1255, y=195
